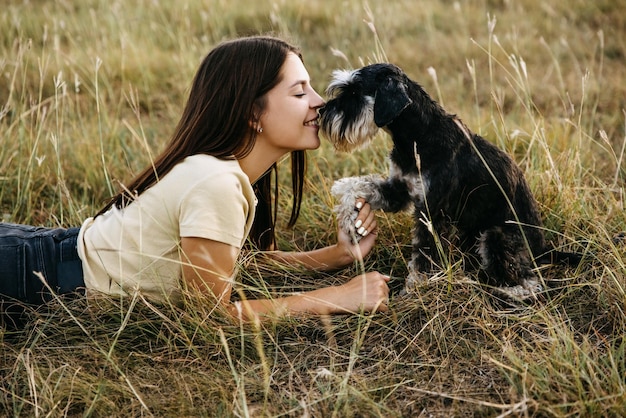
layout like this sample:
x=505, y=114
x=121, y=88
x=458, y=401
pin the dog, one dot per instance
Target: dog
x=467, y=194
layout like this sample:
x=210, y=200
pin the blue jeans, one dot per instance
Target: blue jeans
x=28, y=252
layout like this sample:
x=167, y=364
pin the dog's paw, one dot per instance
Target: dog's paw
x=346, y=191
x=344, y=186
x=346, y=212
x=413, y=280
x=349, y=189
x=529, y=290
x=346, y=219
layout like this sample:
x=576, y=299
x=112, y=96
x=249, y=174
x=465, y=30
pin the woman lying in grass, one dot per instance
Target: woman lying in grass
x=181, y=224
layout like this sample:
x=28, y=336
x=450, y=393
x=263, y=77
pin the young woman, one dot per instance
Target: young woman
x=182, y=223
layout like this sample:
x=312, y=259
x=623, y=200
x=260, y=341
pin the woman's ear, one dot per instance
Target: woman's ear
x=255, y=120
x=255, y=126
x=253, y=123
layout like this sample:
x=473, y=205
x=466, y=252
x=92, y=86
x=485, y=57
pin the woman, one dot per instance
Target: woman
x=182, y=223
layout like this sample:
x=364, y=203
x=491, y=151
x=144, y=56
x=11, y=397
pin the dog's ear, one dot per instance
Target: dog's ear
x=391, y=99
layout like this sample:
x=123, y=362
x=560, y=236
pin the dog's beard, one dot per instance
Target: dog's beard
x=347, y=135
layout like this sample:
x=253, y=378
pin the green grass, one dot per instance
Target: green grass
x=89, y=90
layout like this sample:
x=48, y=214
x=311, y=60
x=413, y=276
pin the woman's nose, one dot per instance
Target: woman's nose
x=318, y=101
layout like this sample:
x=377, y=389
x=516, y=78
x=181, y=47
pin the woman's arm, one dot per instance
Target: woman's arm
x=343, y=252
x=208, y=267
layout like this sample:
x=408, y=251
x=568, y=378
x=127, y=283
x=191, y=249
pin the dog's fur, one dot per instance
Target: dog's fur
x=467, y=193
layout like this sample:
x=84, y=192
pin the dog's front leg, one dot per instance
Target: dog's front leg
x=389, y=195
x=423, y=254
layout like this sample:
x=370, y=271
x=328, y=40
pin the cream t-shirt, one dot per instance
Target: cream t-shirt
x=137, y=248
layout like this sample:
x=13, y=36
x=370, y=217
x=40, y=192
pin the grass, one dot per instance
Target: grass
x=89, y=90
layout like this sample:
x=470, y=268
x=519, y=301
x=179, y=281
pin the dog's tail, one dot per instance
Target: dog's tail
x=552, y=256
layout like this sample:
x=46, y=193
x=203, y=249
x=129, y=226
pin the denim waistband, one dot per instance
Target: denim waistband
x=68, y=247
x=70, y=275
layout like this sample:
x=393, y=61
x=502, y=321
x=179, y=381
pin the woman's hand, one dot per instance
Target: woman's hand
x=366, y=227
x=368, y=292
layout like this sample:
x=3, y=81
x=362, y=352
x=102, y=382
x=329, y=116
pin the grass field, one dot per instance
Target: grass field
x=90, y=90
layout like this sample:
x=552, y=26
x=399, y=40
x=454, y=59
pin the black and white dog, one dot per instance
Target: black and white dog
x=467, y=193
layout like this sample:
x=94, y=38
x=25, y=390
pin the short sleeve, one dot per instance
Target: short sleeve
x=216, y=208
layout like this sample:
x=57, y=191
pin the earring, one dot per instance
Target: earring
x=260, y=130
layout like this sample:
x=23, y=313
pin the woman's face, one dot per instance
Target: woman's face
x=289, y=120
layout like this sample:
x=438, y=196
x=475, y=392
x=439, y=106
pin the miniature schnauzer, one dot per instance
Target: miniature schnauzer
x=467, y=194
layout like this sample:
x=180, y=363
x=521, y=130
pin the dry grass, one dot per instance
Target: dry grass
x=88, y=90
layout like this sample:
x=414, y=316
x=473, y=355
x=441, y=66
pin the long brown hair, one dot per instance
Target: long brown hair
x=227, y=93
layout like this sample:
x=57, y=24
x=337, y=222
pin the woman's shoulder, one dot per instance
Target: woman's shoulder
x=201, y=171
x=209, y=162
x=202, y=166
